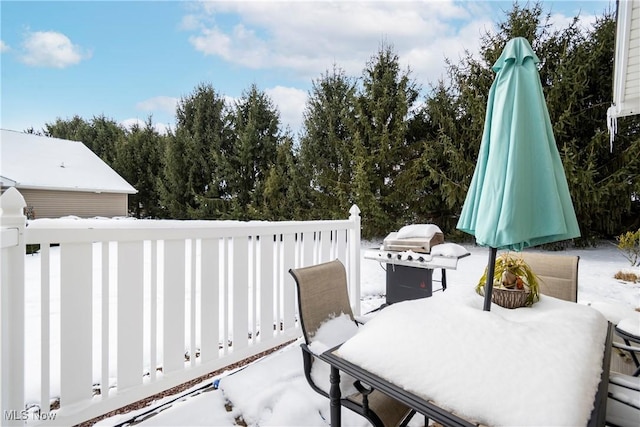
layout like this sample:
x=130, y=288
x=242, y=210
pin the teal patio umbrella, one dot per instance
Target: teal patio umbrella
x=518, y=196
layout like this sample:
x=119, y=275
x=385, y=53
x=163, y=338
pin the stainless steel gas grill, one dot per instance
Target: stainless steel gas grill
x=410, y=255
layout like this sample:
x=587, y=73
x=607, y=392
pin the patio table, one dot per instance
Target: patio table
x=459, y=365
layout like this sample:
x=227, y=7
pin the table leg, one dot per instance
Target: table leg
x=334, y=397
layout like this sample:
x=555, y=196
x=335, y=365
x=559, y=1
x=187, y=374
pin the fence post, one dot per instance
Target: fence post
x=12, y=276
x=354, y=258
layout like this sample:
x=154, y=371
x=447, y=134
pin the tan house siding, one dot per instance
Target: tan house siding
x=54, y=204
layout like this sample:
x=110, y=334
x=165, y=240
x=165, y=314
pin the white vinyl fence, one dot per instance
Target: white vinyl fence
x=128, y=308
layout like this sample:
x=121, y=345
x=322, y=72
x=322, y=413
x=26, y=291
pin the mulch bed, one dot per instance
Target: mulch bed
x=180, y=388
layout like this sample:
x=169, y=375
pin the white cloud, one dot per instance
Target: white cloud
x=51, y=49
x=130, y=123
x=559, y=21
x=166, y=104
x=230, y=101
x=4, y=47
x=161, y=128
x=307, y=38
x=190, y=23
x=159, y=106
x=291, y=103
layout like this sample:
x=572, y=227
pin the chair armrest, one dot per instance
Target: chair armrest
x=307, y=358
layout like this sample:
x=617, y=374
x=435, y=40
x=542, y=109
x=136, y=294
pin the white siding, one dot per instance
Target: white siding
x=626, y=91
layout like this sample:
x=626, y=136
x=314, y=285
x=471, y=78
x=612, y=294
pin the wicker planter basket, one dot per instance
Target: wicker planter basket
x=509, y=298
x=506, y=293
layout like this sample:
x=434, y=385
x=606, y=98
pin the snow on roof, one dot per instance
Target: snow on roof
x=37, y=162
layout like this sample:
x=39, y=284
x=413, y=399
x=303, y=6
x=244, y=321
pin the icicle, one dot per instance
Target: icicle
x=612, y=124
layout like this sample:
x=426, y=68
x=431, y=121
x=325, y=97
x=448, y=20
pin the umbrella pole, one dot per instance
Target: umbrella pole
x=488, y=286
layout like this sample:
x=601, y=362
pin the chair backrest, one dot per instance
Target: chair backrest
x=557, y=274
x=322, y=295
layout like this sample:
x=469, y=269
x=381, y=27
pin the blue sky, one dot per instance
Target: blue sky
x=129, y=60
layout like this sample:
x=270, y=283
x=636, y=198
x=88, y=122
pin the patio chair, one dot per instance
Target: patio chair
x=627, y=330
x=322, y=295
x=623, y=401
x=557, y=274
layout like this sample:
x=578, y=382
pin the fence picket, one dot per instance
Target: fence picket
x=266, y=287
x=341, y=245
x=192, y=304
x=210, y=300
x=75, y=322
x=130, y=314
x=105, y=320
x=325, y=246
x=288, y=284
x=308, y=244
x=45, y=328
x=239, y=285
x=224, y=296
x=153, y=309
x=173, y=323
x=254, y=311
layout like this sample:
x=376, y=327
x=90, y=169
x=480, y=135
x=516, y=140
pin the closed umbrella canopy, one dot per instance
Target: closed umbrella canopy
x=518, y=196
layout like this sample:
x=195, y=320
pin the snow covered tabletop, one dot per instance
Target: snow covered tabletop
x=538, y=365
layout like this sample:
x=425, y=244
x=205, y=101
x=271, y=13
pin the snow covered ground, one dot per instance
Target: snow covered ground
x=274, y=392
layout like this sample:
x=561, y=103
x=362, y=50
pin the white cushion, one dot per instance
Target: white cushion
x=625, y=413
x=418, y=230
x=451, y=250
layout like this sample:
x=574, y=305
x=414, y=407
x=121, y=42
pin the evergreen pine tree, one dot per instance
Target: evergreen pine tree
x=285, y=191
x=382, y=113
x=256, y=135
x=74, y=129
x=326, y=144
x=173, y=184
x=104, y=135
x=139, y=161
x=101, y=134
x=194, y=158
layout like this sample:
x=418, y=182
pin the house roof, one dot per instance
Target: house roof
x=37, y=162
x=626, y=78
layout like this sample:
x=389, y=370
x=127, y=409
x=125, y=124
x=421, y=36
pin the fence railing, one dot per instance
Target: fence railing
x=112, y=311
